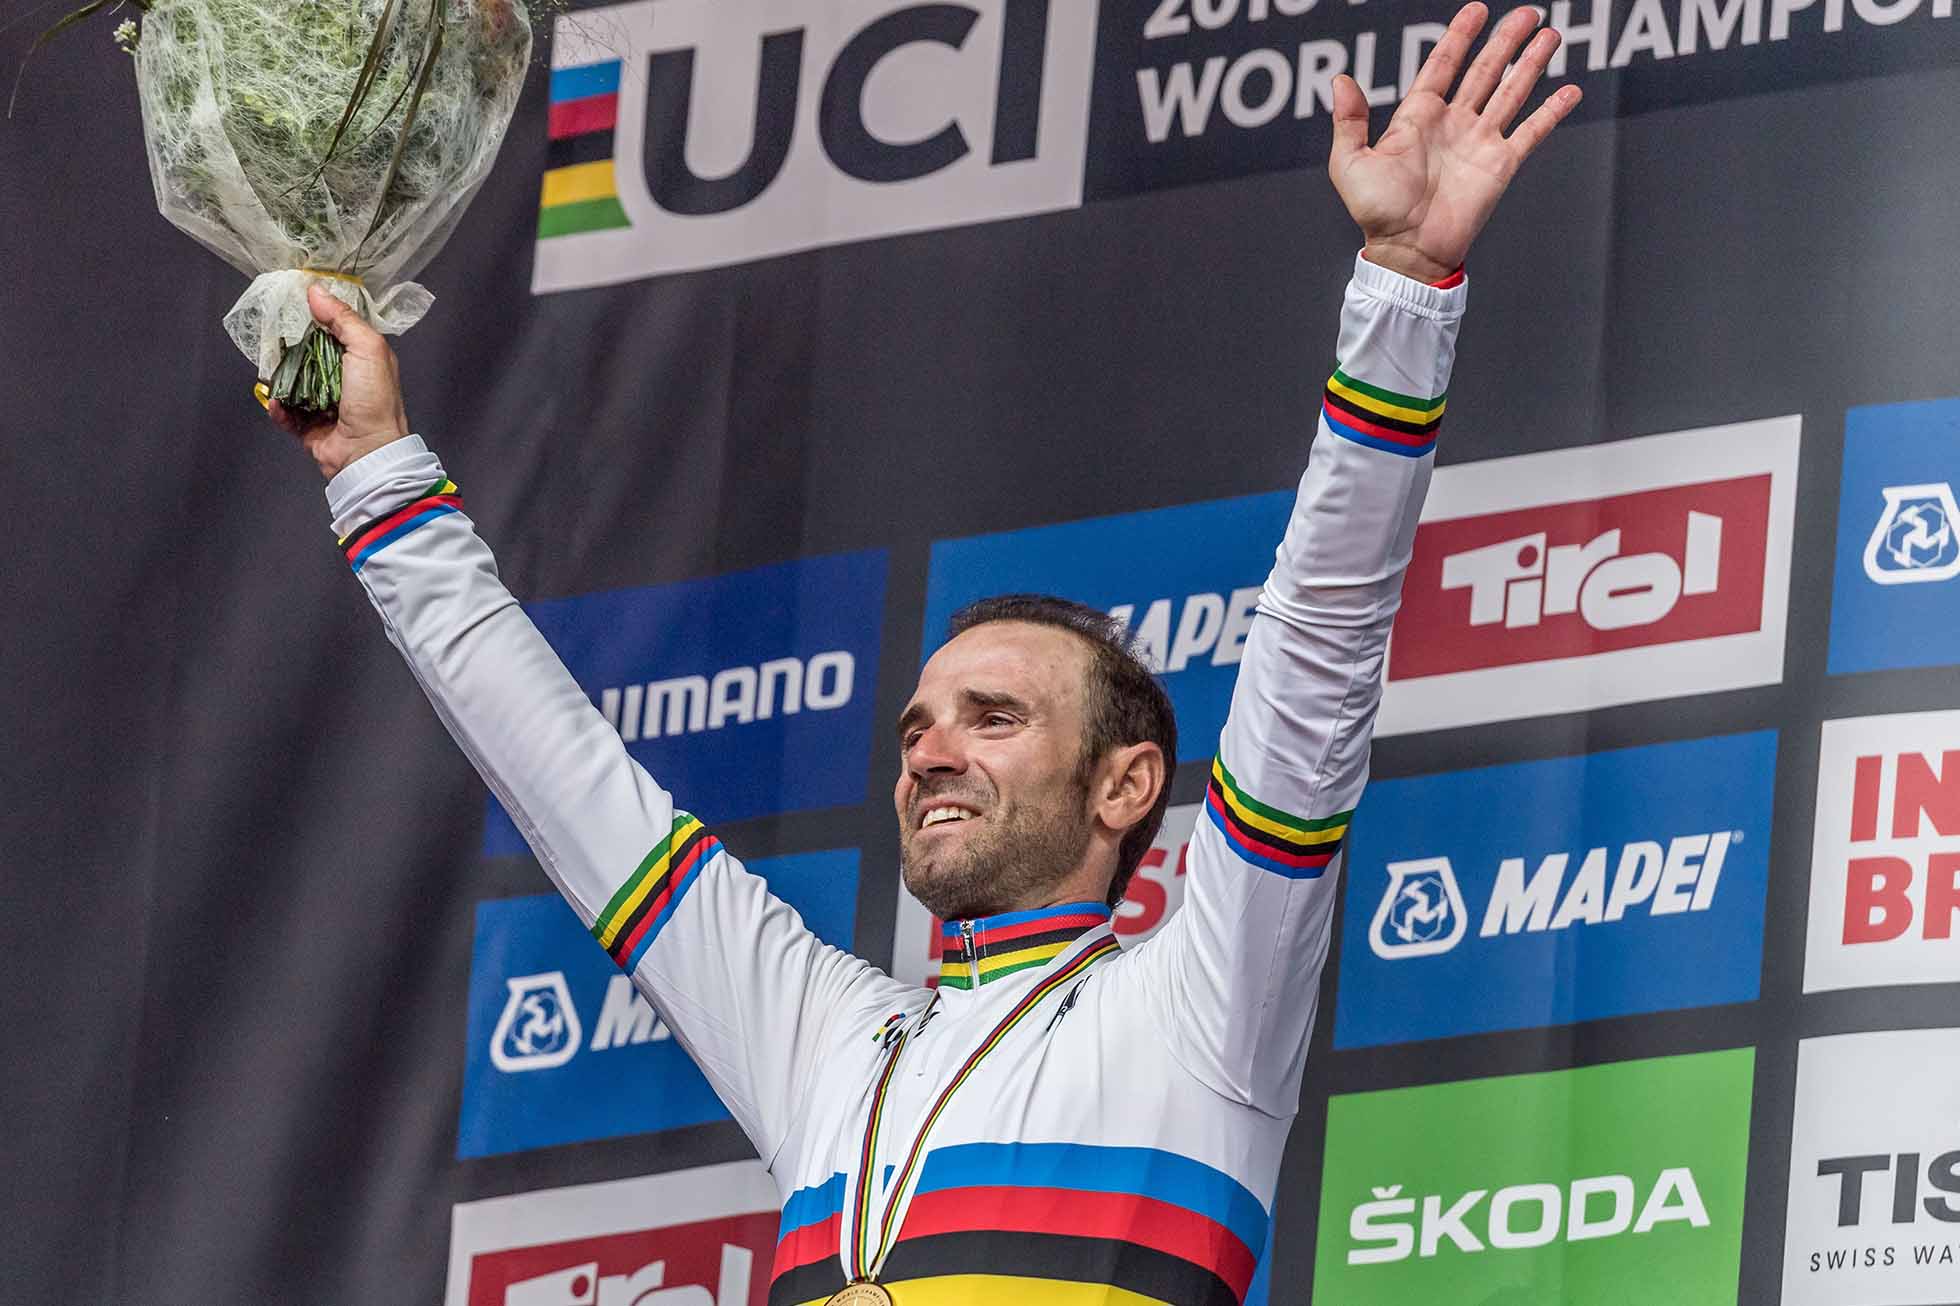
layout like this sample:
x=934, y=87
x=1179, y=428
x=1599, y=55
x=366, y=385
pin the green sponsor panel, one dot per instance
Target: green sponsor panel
x=1615, y=1185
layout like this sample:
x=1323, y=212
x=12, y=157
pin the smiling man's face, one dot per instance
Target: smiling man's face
x=992, y=806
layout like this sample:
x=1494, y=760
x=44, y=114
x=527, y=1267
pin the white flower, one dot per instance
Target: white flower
x=126, y=35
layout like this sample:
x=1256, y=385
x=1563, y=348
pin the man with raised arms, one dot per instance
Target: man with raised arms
x=1058, y=1122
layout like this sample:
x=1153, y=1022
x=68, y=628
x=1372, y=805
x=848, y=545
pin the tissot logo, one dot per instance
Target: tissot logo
x=1560, y=1187
x=747, y=694
x=1569, y=889
x=561, y=1046
x=1586, y=577
x=690, y=1238
x=1885, y=865
x=1895, y=598
x=1874, y=1206
x=693, y=133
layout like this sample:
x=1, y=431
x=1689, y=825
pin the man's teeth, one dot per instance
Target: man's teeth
x=940, y=815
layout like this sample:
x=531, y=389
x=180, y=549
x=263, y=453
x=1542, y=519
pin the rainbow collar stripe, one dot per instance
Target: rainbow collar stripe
x=1268, y=838
x=1382, y=419
x=363, y=542
x=982, y=951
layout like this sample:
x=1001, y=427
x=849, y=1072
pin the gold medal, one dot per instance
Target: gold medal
x=861, y=1293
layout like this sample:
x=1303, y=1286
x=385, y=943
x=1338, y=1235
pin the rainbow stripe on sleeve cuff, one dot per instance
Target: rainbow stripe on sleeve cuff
x=1381, y=419
x=645, y=903
x=1268, y=838
x=363, y=542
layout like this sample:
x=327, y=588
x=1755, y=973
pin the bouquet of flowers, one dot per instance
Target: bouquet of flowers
x=320, y=140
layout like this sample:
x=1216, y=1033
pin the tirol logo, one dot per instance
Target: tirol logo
x=1421, y=911
x=691, y=1238
x=1586, y=577
x=1156, y=892
x=692, y=133
x=1895, y=597
x=1885, y=864
x=1564, y=890
x=562, y=1048
x=746, y=694
x=1874, y=1207
x=1460, y=1192
x=1917, y=538
x=539, y=1028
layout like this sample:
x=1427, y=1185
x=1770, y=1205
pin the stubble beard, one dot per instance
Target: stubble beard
x=1017, y=854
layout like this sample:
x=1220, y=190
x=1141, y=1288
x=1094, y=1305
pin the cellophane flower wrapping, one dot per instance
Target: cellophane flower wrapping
x=241, y=100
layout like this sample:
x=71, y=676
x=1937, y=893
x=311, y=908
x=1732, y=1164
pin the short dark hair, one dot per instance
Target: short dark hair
x=1126, y=704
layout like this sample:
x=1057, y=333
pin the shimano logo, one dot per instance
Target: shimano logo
x=1393, y=1227
x=685, y=705
x=1917, y=538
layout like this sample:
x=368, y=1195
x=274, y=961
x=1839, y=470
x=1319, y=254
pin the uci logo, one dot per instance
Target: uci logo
x=749, y=130
x=1421, y=911
x=539, y=1026
x=1917, y=537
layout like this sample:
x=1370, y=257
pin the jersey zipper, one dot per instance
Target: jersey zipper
x=972, y=954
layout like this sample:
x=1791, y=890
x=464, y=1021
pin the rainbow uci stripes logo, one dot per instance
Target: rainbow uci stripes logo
x=580, y=193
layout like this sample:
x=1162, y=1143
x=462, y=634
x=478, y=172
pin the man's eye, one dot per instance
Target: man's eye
x=997, y=719
x=911, y=738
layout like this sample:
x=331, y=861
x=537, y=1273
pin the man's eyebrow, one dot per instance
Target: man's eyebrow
x=983, y=699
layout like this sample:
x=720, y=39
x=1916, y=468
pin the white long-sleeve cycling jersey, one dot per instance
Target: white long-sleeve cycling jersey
x=1116, y=1120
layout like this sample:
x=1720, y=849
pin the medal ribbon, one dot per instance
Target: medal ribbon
x=864, y=1263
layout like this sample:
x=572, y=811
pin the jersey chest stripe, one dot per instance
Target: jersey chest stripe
x=996, y=1289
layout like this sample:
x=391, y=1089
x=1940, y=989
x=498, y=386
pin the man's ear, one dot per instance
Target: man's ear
x=1127, y=784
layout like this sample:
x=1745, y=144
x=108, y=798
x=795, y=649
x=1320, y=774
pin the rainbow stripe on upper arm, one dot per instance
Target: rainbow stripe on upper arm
x=1382, y=419
x=366, y=540
x=646, y=902
x=1294, y=846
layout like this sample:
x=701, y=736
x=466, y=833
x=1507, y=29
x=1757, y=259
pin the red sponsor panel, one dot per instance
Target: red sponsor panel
x=1567, y=580
x=724, y=1261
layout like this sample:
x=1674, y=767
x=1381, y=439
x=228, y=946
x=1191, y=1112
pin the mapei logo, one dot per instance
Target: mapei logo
x=694, y=133
x=1874, y=1201
x=690, y=1238
x=539, y=1028
x=1885, y=864
x=1917, y=538
x=1586, y=577
x=1563, y=890
x=747, y=694
x=561, y=1046
x=1477, y=1191
x=1893, y=600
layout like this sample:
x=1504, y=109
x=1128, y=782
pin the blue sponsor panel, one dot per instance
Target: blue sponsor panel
x=1895, y=598
x=1542, y=893
x=1186, y=579
x=744, y=695
x=562, y=1049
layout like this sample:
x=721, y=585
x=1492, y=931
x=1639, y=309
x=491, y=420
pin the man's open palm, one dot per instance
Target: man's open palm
x=1425, y=189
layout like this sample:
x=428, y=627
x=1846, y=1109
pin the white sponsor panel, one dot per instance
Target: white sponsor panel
x=1588, y=577
x=899, y=81
x=1874, y=1210
x=1156, y=891
x=699, y=1237
x=1885, y=860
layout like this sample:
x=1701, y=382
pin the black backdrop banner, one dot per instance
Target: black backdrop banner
x=818, y=318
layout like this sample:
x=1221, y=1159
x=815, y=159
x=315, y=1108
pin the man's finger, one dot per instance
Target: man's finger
x=345, y=325
x=1350, y=123
x=1533, y=130
x=1520, y=79
x=1488, y=69
x=1440, y=68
